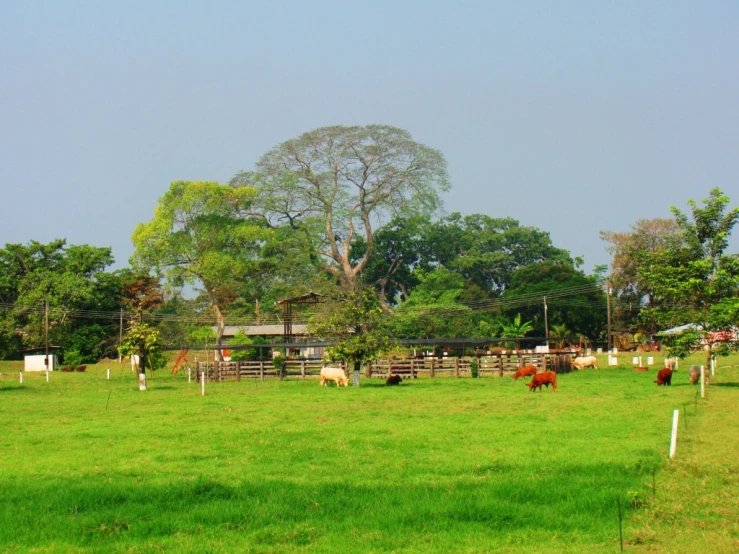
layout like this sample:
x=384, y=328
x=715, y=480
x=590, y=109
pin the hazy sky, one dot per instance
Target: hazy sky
x=569, y=116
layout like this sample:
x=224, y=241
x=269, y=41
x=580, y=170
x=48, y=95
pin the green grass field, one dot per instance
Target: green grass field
x=435, y=465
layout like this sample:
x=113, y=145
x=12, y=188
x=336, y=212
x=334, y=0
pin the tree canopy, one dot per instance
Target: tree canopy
x=696, y=281
x=333, y=183
x=201, y=235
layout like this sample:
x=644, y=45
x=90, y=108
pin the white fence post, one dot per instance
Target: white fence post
x=703, y=382
x=673, y=437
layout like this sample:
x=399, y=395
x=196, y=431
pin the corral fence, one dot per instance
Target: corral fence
x=487, y=366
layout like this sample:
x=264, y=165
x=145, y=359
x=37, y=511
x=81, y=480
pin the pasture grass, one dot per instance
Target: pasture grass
x=435, y=465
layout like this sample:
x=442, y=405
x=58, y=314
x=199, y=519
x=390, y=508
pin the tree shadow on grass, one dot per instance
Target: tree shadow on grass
x=20, y=388
x=728, y=385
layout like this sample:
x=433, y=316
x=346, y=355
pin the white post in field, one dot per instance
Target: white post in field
x=21, y=377
x=703, y=382
x=673, y=438
x=713, y=365
x=107, y=373
x=202, y=383
x=47, y=375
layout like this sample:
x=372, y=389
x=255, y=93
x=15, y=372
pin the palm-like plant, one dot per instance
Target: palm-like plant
x=561, y=331
x=517, y=328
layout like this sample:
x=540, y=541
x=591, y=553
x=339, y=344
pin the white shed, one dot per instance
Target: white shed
x=37, y=362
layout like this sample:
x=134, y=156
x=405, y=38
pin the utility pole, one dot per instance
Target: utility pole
x=608, y=308
x=120, y=338
x=546, y=321
x=46, y=333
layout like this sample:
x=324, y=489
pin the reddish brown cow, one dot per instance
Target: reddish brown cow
x=664, y=377
x=547, y=378
x=524, y=371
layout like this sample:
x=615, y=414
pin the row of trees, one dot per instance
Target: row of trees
x=353, y=213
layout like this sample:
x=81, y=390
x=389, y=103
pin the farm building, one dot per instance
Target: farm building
x=275, y=334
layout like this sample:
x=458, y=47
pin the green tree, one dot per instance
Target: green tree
x=632, y=254
x=697, y=281
x=71, y=279
x=573, y=298
x=487, y=251
x=357, y=323
x=333, y=182
x=201, y=235
x=142, y=340
x=434, y=309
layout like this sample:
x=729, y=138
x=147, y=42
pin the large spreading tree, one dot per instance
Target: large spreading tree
x=336, y=183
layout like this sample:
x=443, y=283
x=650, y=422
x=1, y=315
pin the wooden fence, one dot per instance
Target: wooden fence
x=487, y=366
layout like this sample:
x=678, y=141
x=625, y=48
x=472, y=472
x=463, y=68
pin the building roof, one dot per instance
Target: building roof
x=680, y=329
x=263, y=330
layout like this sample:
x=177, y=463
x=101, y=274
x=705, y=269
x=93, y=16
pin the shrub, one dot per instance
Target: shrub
x=473, y=367
x=73, y=358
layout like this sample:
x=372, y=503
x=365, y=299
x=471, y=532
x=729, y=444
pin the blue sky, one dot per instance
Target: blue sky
x=572, y=117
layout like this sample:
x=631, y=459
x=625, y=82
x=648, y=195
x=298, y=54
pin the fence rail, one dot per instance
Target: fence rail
x=487, y=366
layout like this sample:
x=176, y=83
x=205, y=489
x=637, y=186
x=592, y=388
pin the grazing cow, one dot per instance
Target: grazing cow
x=582, y=362
x=336, y=374
x=524, y=371
x=664, y=377
x=394, y=380
x=547, y=378
x=695, y=375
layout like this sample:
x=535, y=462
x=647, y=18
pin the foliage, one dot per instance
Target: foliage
x=632, y=252
x=559, y=331
x=584, y=312
x=683, y=344
x=143, y=340
x=70, y=278
x=251, y=354
x=73, y=358
x=91, y=342
x=357, y=323
x=485, y=251
x=279, y=361
x=516, y=328
x=697, y=281
x=434, y=308
x=200, y=235
x=330, y=183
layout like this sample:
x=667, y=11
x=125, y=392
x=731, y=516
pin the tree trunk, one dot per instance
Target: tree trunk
x=355, y=375
x=220, y=328
x=142, y=368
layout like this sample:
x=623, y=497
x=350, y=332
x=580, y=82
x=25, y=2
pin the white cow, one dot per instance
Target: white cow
x=582, y=362
x=336, y=374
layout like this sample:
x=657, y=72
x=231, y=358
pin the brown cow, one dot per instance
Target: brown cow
x=664, y=377
x=394, y=380
x=547, y=378
x=524, y=371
